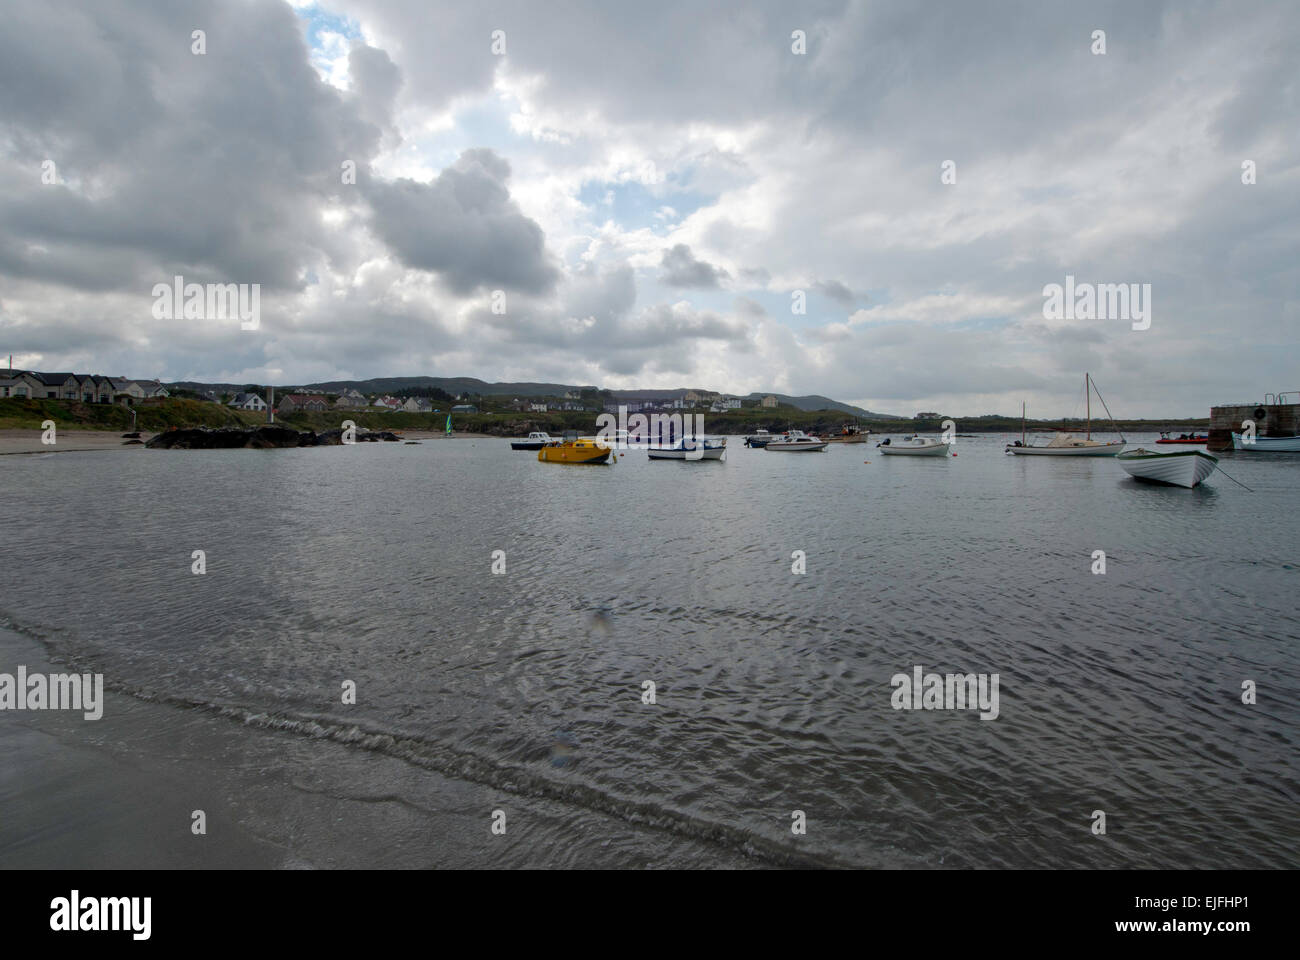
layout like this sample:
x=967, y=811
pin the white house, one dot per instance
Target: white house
x=247, y=401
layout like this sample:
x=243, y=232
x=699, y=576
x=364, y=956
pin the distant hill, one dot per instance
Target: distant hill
x=460, y=385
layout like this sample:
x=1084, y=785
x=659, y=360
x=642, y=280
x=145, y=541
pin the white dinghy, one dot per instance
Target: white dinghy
x=914, y=447
x=1179, y=468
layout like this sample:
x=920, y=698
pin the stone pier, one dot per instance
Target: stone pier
x=1271, y=420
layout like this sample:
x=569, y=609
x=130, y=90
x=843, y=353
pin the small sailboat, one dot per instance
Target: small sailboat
x=1266, y=444
x=1067, y=444
x=914, y=447
x=796, y=441
x=690, y=448
x=1179, y=468
x=449, y=424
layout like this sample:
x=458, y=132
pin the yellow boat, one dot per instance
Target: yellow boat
x=579, y=450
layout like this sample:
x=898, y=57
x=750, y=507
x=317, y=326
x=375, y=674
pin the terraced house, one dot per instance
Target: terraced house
x=86, y=388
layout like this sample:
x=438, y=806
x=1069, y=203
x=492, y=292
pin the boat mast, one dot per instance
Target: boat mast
x=1087, y=394
x=1022, y=423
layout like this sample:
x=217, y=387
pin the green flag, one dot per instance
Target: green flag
x=449, y=424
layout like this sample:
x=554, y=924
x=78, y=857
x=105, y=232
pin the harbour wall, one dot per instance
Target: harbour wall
x=1271, y=420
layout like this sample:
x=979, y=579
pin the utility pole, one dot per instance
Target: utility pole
x=270, y=404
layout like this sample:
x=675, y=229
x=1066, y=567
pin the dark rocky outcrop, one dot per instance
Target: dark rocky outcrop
x=267, y=437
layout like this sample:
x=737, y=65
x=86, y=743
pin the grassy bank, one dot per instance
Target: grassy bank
x=156, y=416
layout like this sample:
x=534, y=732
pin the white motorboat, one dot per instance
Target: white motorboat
x=690, y=448
x=536, y=440
x=1266, y=444
x=1180, y=468
x=914, y=447
x=1067, y=444
x=761, y=439
x=796, y=441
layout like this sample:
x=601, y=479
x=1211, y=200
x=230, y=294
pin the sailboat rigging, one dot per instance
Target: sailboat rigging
x=1068, y=445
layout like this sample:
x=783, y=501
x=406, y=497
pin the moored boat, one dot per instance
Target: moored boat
x=1266, y=444
x=536, y=440
x=1067, y=444
x=575, y=450
x=760, y=439
x=796, y=441
x=914, y=447
x=1179, y=468
x=849, y=433
x=690, y=448
x=1186, y=438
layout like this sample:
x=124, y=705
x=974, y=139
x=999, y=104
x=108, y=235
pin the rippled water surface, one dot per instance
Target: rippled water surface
x=372, y=563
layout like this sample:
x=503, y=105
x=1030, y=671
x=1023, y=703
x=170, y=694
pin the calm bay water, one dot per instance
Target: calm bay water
x=372, y=563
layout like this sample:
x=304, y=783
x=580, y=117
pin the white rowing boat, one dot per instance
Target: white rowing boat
x=1179, y=468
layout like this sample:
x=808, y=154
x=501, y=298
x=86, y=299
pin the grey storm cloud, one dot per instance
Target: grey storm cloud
x=464, y=226
x=682, y=269
x=170, y=162
x=835, y=291
x=825, y=167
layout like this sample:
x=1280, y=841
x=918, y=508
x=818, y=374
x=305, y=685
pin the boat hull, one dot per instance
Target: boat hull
x=1178, y=468
x=1200, y=442
x=1104, y=450
x=1267, y=444
x=526, y=444
x=709, y=453
x=930, y=450
x=796, y=447
x=574, y=453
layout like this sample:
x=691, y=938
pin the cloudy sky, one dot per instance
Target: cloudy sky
x=649, y=184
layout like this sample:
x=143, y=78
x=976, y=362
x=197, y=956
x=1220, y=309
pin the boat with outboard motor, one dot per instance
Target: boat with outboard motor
x=914, y=447
x=690, y=448
x=1067, y=444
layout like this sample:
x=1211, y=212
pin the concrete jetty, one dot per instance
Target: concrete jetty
x=1272, y=418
